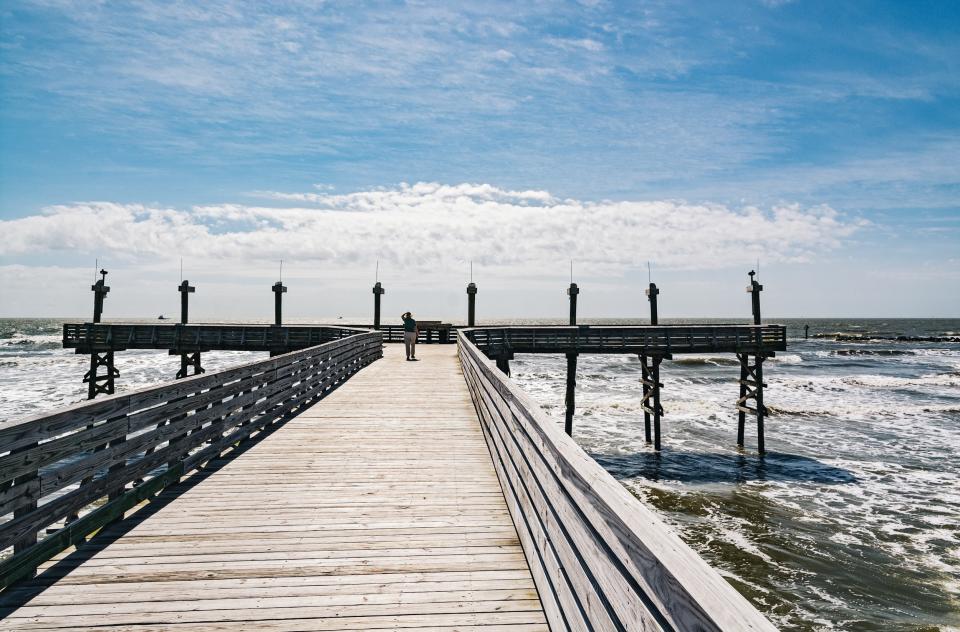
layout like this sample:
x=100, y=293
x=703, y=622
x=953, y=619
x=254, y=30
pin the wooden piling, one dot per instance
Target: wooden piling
x=471, y=304
x=751, y=375
x=755, y=288
x=571, y=392
x=650, y=379
x=98, y=383
x=185, y=290
x=187, y=360
x=652, y=293
x=570, y=399
x=278, y=290
x=378, y=291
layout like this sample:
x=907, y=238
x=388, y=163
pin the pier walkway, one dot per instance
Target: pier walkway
x=338, y=487
x=378, y=508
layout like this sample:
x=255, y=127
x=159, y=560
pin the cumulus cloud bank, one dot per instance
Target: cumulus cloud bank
x=430, y=226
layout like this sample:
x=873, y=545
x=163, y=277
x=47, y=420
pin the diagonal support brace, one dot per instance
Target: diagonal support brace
x=751, y=391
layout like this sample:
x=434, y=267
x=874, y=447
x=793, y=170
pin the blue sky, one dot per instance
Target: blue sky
x=748, y=106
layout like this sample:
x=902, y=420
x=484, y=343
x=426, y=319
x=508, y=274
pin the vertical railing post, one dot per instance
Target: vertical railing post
x=32, y=482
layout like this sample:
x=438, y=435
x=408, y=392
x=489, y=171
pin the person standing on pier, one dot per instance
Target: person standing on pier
x=410, y=336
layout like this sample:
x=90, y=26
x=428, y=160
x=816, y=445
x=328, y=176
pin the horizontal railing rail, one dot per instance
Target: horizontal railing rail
x=648, y=339
x=124, y=448
x=600, y=559
x=199, y=337
x=87, y=337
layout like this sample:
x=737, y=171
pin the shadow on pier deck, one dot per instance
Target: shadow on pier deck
x=374, y=494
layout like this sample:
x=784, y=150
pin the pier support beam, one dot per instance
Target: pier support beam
x=378, y=291
x=278, y=291
x=751, y=388
x=503, y=363
x=571, y=395
x=650, y=372
x=652, y=293
x=751, y=375
x=96, y=382
x=192, y=359
x=189, y=361
x=570, y=400
x=100, y=383
x=471, y=304
x=650, y=378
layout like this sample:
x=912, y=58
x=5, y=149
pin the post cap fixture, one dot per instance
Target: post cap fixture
x=186, y=287
x=573, y=290
x=652, y=290
x=279, y=287
x=378, y=288
x=472, y=288
x=100, y=285
x=753, y=283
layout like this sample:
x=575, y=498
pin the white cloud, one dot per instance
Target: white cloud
x=587, y=44
x=431, y=227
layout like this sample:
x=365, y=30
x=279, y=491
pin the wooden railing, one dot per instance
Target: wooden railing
x=600, y=559
x=429, y=333
x=124, y=448
x=88, y=337
x=664, y=339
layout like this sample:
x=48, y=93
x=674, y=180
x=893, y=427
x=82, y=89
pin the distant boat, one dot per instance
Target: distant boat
x=162, y=317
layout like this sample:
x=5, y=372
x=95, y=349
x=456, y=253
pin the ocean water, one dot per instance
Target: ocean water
x=850, y=522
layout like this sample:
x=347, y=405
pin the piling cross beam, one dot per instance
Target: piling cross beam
x=751, y=388
x=101, y=383
x=187, y=361
x=650, y=403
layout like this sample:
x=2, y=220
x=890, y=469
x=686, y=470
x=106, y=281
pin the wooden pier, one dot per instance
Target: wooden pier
x=327, y=489
x=379, y=509
x=335, y=486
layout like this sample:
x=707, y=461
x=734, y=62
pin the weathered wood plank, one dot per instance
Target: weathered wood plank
x=243, y=401
x=627, y=564
x=341, y=518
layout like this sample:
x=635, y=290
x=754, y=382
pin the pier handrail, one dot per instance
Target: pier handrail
x=664, y=339
x=116, y=336
x=199, y=336
x=599, y=557
x=147, y=439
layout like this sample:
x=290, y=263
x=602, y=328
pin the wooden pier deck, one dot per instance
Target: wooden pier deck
x=378, y=508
